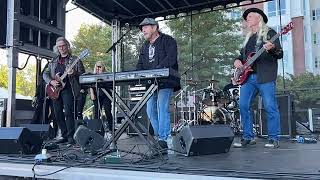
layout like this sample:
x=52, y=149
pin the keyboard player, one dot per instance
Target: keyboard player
x=159, y=51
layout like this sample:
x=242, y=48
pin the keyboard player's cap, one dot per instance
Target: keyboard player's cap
x=148, y=21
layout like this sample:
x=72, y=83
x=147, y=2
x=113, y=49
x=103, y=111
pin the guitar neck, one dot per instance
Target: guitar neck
x=64, y=75
x=257, y=54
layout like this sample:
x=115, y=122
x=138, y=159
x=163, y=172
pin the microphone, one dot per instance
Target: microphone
x=127, y=25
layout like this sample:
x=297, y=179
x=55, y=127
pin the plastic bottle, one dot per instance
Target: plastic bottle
x=307, y=140
x=170, y=145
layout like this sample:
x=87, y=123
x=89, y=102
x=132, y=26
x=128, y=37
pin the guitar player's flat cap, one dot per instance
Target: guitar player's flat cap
x=148, y=21
x=255, y=10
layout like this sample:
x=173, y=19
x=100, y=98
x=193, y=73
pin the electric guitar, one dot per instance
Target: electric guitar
x=241, y=74
x=54, y=92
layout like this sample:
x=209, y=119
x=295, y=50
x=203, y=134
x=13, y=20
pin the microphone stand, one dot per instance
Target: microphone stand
x=113, y=48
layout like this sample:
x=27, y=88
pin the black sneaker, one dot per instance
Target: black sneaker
x=62, y=140
x=272, y=144
x=244, y=143
x=163, y=144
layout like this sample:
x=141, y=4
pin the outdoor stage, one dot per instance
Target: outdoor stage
x=291, y=161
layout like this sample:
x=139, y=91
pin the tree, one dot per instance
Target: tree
x=305, y=88
x=25, y=80
x=96, y=38
x=214, y=43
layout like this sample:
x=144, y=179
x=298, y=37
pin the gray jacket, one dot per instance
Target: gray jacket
x=49, y=73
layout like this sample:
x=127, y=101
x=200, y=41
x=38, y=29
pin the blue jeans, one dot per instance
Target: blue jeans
x=248, y=93
x=159, y=114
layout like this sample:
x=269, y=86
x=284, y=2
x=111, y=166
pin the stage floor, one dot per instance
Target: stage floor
x=290, y=161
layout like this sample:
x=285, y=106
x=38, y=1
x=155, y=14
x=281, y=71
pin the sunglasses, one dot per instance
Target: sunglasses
x=99, y=66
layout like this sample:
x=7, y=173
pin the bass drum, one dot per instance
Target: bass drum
x=214, y=115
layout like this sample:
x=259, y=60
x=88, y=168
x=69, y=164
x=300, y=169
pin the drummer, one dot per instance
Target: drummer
x=227, y=88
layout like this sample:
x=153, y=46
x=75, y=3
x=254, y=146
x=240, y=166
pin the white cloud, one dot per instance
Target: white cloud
x=75, y=18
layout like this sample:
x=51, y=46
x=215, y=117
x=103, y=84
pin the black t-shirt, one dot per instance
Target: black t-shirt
x=252, y=47
x=61, y=67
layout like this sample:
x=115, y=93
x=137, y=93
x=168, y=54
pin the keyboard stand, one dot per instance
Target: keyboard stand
x=130, y=116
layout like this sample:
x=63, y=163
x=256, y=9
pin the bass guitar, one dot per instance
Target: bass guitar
x=241, y=74
x=54, y=92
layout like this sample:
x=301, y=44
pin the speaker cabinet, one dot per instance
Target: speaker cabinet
x=42, y=130
x=88, y=139
x=93, y=124
x=287, y=123
x=142, y=118
x=3, y=22
x=203, y=139
x=19, y=140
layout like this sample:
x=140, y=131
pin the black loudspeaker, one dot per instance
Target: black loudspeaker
x=3, y=22
x=88, y=139
x=142, y=118
x=203, y=139
x=93, y=124
x=287, y=123
x=19, y=140
x=42, y=130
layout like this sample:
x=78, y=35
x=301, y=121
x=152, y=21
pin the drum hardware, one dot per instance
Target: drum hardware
x=186, y=106
x=208, y=105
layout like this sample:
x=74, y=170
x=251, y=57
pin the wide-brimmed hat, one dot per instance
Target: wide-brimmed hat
x=148, y=21
x=256, y=10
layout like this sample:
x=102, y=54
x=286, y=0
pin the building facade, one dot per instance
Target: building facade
x=301, y=46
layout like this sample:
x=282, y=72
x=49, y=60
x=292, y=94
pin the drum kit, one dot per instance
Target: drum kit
x=209, y=105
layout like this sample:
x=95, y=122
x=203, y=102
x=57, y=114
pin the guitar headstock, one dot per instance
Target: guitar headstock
x=84, y=53
x=287, y=28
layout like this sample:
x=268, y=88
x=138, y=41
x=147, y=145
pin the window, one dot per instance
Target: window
x=272, y=8
x=305, y=34
x=282, y=9
x=316, y=14
x=275, y=8
x=278, y=29
x=316, y=38
x=285, y=57
x=304, y=7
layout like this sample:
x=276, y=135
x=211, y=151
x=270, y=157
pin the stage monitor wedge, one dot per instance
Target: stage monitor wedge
x=19, y=140
x=203, y=139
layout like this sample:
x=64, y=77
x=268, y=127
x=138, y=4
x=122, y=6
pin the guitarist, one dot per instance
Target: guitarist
x=64, y=104
x=262, y=79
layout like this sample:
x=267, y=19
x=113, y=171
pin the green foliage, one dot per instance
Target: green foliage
x=131, y=48
x=305, y=88
x=3, y=76
x=25, y=80
x=213, y=40
x=96, y=38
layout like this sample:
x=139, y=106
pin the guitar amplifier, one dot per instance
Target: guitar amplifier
x=287, y=122
x=135, y=94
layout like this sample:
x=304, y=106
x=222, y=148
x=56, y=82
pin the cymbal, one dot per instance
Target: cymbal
x=192, y=82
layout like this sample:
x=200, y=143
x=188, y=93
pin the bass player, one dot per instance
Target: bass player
x=70, y=87
x=261, y=80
